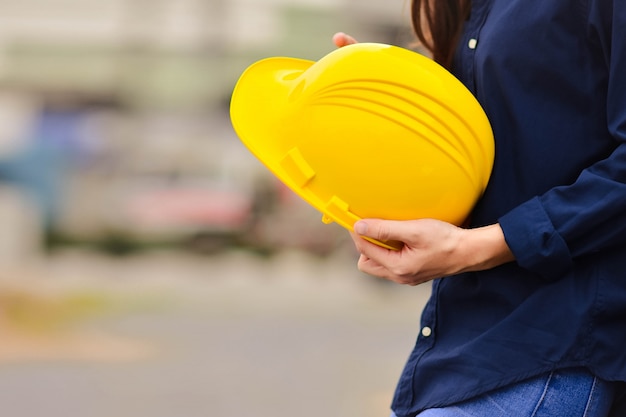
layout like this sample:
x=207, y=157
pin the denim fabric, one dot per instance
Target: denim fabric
x=568, y=392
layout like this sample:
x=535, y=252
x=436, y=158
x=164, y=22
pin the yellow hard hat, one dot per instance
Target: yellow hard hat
x=368, y=131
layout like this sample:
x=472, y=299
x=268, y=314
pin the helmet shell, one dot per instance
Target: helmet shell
x=368, y=131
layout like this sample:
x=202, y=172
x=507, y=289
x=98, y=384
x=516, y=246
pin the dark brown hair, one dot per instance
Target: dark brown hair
x=438, y=25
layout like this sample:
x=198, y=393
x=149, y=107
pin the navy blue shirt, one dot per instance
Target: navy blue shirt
x=551, y=76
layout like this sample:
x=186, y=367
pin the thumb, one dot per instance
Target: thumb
x=382, y=230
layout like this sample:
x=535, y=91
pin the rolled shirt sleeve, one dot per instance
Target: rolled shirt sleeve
x=547, y=232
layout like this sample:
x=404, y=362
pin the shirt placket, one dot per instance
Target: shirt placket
x=425, y=338
x=404, y=395
x=470, y=42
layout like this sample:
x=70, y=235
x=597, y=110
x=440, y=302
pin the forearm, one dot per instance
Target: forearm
x=484, y=248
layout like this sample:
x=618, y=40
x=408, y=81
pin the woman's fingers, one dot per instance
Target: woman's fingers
x=341, y=39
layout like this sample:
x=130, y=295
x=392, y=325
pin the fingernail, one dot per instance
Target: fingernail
x=360, y=227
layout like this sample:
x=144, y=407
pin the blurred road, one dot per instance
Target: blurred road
x=223, y=336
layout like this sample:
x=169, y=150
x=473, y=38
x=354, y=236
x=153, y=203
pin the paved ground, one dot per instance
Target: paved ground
x=228, y=336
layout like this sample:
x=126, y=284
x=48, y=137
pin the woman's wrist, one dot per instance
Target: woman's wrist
x=484, y=248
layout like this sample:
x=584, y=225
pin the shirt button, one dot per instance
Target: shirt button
x=472, y=43
x=427, y=331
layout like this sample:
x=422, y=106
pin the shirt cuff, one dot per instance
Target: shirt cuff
x=534, y=241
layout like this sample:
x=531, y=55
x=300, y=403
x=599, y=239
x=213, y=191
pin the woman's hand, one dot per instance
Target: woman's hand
x=341, y=39
x=432, y=249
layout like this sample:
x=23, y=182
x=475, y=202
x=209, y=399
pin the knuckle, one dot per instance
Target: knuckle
x=401, y=271
x=383, y=234
x=361, y=266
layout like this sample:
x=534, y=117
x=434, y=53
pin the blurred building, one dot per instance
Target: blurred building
x=116, y=112
x=172, y=52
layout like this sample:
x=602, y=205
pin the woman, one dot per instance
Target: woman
x=530, y=319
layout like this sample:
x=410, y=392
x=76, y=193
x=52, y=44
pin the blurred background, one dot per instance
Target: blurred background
x=149, y=265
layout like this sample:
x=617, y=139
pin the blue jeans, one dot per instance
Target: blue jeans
x=562, y=393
